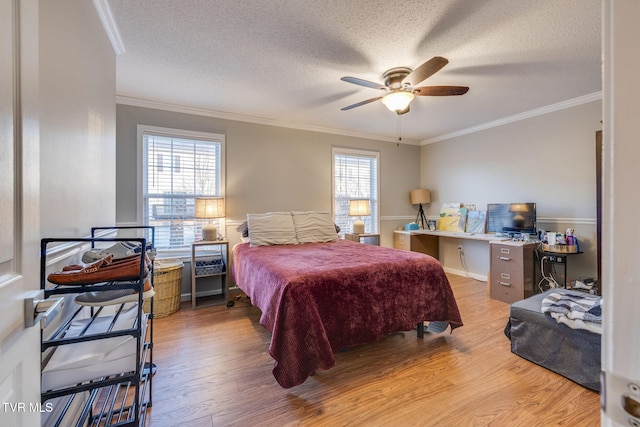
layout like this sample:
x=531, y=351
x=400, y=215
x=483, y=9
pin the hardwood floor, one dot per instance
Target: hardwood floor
x=214, y=370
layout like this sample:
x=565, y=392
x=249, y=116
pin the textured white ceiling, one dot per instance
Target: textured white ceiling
x=281, y=60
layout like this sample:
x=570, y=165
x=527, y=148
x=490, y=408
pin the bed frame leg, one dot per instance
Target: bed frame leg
x=420, y=328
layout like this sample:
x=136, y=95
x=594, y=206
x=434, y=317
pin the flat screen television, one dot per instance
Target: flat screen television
x=511, y=218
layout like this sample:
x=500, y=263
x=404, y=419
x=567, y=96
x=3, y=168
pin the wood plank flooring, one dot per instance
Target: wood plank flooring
x=214, y=370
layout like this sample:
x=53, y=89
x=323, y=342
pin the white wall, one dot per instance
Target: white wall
x=271, y=168
x=548, y=159
x=77, y=126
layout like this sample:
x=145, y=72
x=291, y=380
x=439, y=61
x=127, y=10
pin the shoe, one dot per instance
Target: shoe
x=437, y=327
x=150, y=251
x=102, y=262
x=118, y=250
x=109, y=260
x=100, y=272
x=117, y=296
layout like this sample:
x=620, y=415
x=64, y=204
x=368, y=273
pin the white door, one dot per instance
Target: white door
x=621, y=203
x=19, y=207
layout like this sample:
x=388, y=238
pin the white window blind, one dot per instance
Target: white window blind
x=177, y=168
x=355, y=176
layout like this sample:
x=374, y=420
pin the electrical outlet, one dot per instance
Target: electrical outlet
x=460, y=249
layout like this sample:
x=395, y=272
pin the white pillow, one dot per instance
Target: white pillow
x=271, y=228
x=314, y=227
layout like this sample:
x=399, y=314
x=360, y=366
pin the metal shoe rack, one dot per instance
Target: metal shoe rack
x=116, y=400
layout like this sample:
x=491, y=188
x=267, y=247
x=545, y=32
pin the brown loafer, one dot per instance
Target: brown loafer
x=98, y=272
x=104, y=261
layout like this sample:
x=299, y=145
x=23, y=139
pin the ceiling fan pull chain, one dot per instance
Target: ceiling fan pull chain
x=399, y=132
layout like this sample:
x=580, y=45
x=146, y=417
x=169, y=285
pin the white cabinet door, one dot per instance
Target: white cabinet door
x=19, y=208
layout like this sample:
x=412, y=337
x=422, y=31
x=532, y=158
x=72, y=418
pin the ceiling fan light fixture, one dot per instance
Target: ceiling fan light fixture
x=398, y=101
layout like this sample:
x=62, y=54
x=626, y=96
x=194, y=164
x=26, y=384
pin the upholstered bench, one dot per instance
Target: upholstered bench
x=537, y=337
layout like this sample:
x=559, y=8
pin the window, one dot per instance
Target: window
x=159, y=162
x=355, y=176
x=177, y=167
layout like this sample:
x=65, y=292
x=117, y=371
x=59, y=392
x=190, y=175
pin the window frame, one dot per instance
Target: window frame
x=370, y=154
x=175, y=133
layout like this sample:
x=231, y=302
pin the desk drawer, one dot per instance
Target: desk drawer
x=506, y=290
x=505, y=257
x=402, y=241
x=511, y=271
x=506, y=285
x=513, y=278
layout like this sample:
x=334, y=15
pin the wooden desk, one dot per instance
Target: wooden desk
x=427, y=242
x=458, y=235
x=416, y=242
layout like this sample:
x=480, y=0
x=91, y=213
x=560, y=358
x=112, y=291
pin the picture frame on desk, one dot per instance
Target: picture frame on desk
x=452, y=219
x=476, y=222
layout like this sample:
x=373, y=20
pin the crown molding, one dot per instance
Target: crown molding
x=144, y=103
x=110, y=26
x=517, y=117
x=137, y=102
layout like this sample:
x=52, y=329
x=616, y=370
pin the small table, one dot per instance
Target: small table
x=366, y=238
x=555, y=258
x=206, y=270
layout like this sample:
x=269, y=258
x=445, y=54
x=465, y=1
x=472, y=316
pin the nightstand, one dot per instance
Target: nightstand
x=209, y=259
x=367, y=238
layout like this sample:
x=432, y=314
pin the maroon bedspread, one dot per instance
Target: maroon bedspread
x=317, y=298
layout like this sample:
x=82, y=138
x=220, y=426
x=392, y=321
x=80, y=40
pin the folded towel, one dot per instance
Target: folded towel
x=575, y=311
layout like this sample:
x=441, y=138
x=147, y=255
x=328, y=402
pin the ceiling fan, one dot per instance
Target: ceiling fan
x=399, y=85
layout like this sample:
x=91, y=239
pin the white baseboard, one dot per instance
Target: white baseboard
x=209, y=293
x=457, y=272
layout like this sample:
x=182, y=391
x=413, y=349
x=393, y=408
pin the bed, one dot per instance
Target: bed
x=317, y=298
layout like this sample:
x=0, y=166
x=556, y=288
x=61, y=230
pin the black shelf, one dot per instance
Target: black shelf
x=115, y=400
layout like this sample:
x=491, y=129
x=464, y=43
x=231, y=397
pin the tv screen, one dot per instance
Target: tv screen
x=511, y=218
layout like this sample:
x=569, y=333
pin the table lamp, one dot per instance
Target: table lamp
x=418, y=197
x=359, y=208
x=208, y=208
x=518, y=209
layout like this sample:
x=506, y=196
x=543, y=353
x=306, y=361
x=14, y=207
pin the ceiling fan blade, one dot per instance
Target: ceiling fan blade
x=440, y=90
x=426, y=70
x=365, y=83
x=358, y=104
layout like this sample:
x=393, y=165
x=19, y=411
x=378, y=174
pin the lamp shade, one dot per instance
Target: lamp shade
x=209, y=207
x=398, y=101
x=518, y=207
x=421, y=195
x=359, y=207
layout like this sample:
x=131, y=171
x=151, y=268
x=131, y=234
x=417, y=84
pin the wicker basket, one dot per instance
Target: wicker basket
x=560, y=248
x=209, y=266
x=167, y=281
